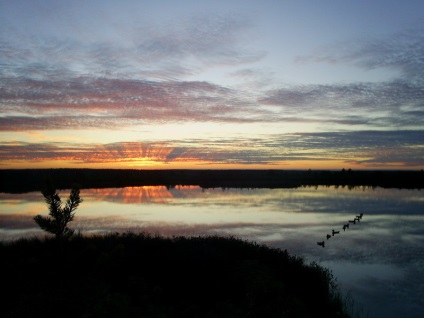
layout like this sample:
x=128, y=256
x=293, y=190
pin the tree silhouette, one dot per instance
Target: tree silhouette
x=59, y=216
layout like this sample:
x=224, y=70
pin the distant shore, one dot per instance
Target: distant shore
x=26, y=180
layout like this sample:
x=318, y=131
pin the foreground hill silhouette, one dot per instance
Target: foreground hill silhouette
x=34, y=179
x=129, y=275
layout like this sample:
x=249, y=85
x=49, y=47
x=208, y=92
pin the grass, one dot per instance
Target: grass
x=137, y=275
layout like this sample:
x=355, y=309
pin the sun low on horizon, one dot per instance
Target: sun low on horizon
x=212, y=84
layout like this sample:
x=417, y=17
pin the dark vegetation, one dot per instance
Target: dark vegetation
x=33, y=179
x=59, y=217
x=129, y=275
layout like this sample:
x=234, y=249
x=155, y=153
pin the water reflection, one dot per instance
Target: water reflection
x=131, y=195
x=267, y=213
x=380, y=260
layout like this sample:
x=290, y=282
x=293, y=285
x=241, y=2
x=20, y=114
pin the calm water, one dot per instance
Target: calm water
x=379, y=262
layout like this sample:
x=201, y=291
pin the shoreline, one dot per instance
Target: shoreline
x=129, y=275
x=27, y=180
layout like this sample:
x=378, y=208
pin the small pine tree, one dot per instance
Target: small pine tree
x=59, y=216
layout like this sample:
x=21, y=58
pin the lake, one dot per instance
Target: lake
x=379, y=261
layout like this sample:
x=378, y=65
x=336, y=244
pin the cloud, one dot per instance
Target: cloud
x=253, y=79
x=395, y=103
x=41, y=86
x=369, y=96
x=209, y=38
x=135, y=49
x=402, y=51
x=376, y=148
x=28, y=104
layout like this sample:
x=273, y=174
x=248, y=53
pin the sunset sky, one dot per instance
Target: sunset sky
x=198, y=84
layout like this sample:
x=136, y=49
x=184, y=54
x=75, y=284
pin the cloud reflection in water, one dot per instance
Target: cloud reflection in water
x=380, y=260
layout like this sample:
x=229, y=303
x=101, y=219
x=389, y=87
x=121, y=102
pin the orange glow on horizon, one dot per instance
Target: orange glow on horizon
x=209, y=155
x=201, y=165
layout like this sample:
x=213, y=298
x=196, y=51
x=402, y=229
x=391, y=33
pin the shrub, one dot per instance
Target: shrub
x=59, y=216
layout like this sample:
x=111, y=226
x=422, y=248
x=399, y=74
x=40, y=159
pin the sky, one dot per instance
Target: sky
x=212, y=84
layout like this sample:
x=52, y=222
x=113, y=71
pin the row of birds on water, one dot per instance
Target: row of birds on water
x=357, y=219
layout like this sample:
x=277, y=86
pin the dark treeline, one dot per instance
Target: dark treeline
x=34, y=179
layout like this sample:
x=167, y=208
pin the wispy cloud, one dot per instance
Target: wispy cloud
x=129, y=76
x=396, y=102
x=136, y=50
x=392, y=104
x=402, y=51
x=28, y=104
x=378, y=148
x=39, y=88
x=85, y=102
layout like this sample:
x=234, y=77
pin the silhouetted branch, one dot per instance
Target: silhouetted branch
x=59, y=217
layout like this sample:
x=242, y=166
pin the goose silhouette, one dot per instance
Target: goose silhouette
x=335, y=232
x=357, y=218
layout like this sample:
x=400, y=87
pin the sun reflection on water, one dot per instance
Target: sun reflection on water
x=384, y=250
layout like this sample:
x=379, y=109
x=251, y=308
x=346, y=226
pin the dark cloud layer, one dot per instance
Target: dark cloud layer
x=401, y=148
